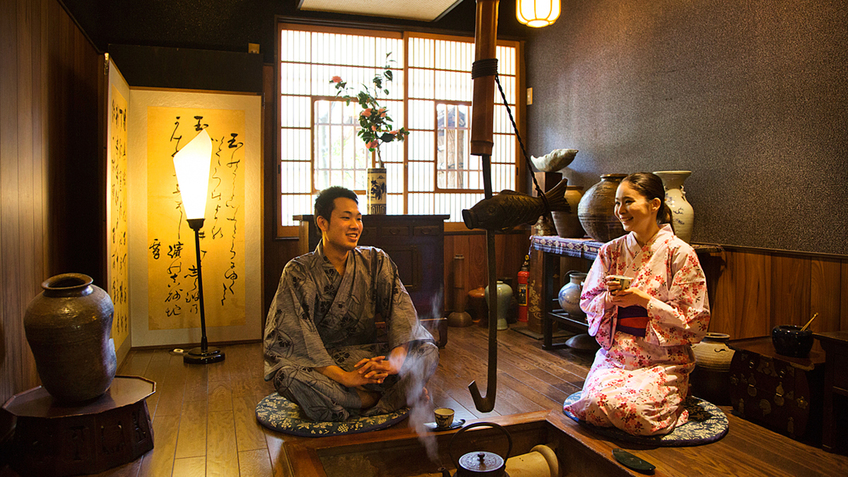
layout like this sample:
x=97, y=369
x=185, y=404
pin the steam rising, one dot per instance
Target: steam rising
x=421, y=408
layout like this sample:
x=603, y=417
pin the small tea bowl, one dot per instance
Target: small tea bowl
x=789, y=340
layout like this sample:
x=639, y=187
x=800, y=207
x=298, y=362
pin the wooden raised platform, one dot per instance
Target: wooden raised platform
x=746, y=450
x=204, y=417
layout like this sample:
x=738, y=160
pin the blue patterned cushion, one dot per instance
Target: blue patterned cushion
x=279, y=414
x=707, y=423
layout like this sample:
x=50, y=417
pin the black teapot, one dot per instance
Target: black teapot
x=480, y=463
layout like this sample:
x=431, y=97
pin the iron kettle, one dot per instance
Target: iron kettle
x=480, y=463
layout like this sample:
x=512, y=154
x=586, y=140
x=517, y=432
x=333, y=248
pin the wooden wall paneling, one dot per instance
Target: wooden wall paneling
x=843, y=294
x=475, y=262
x=450, y=242
x=790, y=290
x=30, y=181
x=10, y=306
x=825, y=294
x=752, y=286
x=720, y=274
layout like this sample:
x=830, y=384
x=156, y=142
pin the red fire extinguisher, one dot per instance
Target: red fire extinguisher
x=523, y=275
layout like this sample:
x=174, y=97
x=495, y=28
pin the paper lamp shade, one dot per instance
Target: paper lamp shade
x=537, y=13
x=192, y=164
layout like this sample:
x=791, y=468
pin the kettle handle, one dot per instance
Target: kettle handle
x=480, y=424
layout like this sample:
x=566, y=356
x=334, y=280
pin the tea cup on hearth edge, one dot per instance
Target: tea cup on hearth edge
x=444, y=417
x=789, y=340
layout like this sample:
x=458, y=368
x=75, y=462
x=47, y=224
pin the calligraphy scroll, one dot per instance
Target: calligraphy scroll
x=172, y=271
x=163, y=250
x=117, y=246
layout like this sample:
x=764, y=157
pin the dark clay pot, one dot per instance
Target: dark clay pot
x=596, y=209
x=68, y=327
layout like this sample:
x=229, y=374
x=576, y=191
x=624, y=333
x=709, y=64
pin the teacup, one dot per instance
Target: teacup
x=623, y=282
x=444, y=417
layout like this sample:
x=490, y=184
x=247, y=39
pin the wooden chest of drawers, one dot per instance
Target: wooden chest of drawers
x=779, y=392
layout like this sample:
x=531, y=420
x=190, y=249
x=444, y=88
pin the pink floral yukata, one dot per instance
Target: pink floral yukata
x=639, y=384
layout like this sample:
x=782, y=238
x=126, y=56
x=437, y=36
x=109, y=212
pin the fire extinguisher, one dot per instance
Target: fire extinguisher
x=523, y=275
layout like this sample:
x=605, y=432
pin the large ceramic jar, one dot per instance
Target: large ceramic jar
x=569, y=294
x=568, y=223
x=68, y=327
x=596, y=210
x=682, y=214
x=710, y=379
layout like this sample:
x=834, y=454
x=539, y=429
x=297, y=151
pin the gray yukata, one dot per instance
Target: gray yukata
x=320, y=318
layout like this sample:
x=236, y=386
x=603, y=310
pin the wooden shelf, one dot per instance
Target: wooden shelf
x=552, y=247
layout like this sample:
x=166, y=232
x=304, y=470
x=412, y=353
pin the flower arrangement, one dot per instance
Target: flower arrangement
x=375, y=124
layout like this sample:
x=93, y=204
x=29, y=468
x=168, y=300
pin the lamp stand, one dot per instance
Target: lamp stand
x=201, y=355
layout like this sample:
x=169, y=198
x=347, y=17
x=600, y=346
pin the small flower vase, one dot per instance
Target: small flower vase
x=682, y=214
x=376, y=191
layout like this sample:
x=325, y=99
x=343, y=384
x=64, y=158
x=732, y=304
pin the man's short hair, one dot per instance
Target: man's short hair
x=325, y=202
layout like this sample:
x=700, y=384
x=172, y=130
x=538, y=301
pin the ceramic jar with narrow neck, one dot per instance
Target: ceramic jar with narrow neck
x=569, y=294
x=682, y=213
x=710, y=379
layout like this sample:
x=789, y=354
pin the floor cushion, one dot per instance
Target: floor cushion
x=279, y=414
x=707, y=423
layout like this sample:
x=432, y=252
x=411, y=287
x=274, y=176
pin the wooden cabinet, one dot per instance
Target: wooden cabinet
x=779, y=392
x=414, y=242
x=835, y=345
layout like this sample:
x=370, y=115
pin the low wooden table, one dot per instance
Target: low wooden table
x=58, y=439
x=835, y=345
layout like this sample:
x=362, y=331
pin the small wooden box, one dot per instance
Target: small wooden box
x=779, y=392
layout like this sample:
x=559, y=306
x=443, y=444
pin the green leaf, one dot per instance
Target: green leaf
x=389, y=75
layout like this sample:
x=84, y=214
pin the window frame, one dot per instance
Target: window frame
x=518, y=110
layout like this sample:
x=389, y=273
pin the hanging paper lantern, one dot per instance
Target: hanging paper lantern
x=537, y=13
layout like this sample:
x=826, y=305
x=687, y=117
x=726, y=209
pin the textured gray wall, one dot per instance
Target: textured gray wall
x=751, y=96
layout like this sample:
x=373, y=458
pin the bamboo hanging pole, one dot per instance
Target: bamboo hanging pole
x=482, y=121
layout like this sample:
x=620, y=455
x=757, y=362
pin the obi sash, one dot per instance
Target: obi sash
x=632, y=320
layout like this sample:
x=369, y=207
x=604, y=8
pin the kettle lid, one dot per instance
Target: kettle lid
x=482, y=463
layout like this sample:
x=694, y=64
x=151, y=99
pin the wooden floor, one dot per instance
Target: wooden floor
x=204, y=422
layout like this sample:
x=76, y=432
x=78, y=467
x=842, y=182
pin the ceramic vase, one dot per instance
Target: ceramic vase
x=569, y=294
x=596, y=209
x=568, y=223
x=68, y=327
x=682, y=214
x=710, y=379
x=504, y=296
x=376, y=202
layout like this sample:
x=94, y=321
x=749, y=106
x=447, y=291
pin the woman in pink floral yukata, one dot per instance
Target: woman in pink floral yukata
x=640, y=377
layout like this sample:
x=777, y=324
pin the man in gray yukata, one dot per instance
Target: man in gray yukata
x=321, y=346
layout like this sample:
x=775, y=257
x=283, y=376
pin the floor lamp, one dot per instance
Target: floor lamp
x=192, y=164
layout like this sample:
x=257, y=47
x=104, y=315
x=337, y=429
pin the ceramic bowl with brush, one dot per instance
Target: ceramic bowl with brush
x=792, y=340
